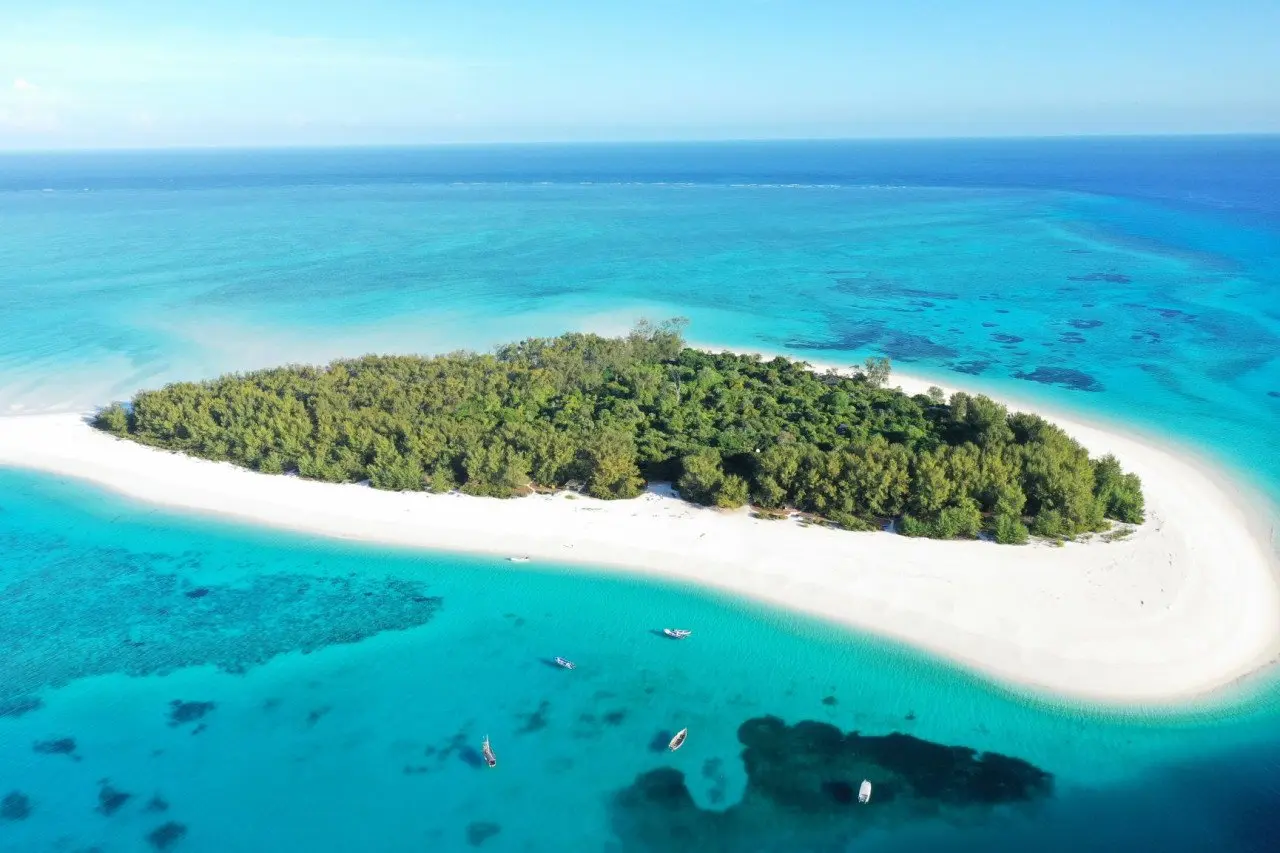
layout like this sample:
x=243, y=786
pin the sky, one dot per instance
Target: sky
x=142, y=73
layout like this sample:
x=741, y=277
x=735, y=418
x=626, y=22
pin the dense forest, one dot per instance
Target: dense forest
x=604, y=415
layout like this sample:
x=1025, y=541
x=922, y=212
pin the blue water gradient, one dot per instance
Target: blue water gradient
x=1128, y=277
x=342, y=719
x=1137, y=280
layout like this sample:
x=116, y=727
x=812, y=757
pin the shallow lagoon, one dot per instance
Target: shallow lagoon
x=333, y=695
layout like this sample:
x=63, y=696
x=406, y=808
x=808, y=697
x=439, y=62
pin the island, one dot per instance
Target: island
x=1146, y=576
x=606, y=416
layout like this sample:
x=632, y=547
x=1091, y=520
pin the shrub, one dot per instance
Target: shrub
x=113, y=418
x=731, y=493
x=962, y=519
x=1009, y=530
x=849, y=521
x=401, y=475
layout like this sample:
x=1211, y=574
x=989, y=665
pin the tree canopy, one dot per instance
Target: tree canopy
x=608, y=414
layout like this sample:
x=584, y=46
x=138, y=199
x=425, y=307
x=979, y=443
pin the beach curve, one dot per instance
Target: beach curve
x=1188, y=603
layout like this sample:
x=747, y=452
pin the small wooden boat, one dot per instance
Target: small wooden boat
x=566, y=663
x=487, y=751
x=678, y=740
x=676, y=633
x=517, y=559
x=864, y=792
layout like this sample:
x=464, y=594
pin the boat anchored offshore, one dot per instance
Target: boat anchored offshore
x=566, y=663
x=517, y=559
x=864, y=792
x=487, y=751
x=676, y=633
x=678, y=740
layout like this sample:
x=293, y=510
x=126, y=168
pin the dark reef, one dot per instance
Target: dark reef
x=111, y=800
x=15, y=806
x=801, y=791
x=535, y=720
x=315, y=715
x=17, y=706
x=58, y=746
x=1064, y=377
x=181, y=712
x=1109, y=277
x=480, y=831
x=896, y=344
x=149, y=625
x=166, y=835
x=1002, y=338
x=872, y=287
x=972, y=368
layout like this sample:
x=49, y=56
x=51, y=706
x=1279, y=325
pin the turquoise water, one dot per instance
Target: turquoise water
x=350, y=686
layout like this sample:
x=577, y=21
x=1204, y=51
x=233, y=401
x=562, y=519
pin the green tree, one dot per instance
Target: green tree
x=113, y=418
x=1119, y=494
x=875, y=370
x=702, y=477
x=611, y=466
x=602, y=413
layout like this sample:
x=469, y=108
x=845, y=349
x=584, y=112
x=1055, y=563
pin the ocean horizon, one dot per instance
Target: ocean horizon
x=252, y=689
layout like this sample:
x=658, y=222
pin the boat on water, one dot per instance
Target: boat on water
x=487, y=751
x=676, y=633
x=678, y=740
x=517, y=559
x=864, y=792
x=566, y=663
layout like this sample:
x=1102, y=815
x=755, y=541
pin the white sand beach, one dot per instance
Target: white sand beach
x=1188, y=603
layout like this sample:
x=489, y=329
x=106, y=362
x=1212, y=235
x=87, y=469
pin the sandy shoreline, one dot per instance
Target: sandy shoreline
x=1188, y=603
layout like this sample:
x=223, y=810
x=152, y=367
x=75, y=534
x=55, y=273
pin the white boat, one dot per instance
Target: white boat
x=676, y=633
x=487, y=751
x=566, y=663
x=864, y=792
x=678, y=740
x=517, y=559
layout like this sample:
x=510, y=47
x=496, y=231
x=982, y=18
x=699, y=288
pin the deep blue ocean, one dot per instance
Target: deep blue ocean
x=172, y=683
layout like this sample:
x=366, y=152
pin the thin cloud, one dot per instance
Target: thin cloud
x=21, y=84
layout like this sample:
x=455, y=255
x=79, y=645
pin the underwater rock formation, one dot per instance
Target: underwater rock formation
x=57, y=746
x=111, y=800
x=181, y=712
x=1108, y=277
x=897, y=345
x=801, y=791
x=1065, y=377
x=122, y=611
x=480, y=831
x=15, y=806
x=17, y=706
x=166, y=835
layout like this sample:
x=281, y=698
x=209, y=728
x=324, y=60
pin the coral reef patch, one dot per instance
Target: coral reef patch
x=111, y=800
x=801, y=791
x=125, y=612
x=480, y=831
x=15, y=806
x=57, y=746
x=1064, y=377
x=166, y=835
x=181, y=712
